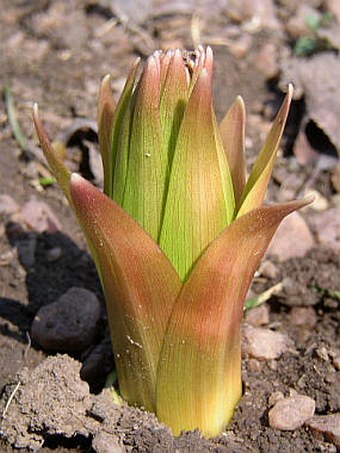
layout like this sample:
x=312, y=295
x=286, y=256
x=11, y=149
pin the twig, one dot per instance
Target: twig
x=28, y=346
x=13, y=120
x=263, y=297
x=10, y=400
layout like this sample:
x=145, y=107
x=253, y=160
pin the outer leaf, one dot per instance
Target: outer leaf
x=232, y=130
x=106, y=108
x=59, y=169
x=257, y=184
x=140, y=287
x=199, y=373
x=148, y=161
x=196, y=211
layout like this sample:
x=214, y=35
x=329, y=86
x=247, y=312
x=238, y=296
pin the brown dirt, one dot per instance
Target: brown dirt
x=55, y=53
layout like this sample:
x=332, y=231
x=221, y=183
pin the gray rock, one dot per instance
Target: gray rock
x=291, y=413
x=69, y=324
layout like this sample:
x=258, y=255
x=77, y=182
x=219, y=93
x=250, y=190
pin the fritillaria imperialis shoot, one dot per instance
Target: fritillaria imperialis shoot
x=176, y=236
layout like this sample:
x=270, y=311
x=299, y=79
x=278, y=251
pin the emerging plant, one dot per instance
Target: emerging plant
x=177, y=236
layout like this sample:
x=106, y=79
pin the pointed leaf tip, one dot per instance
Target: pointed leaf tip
x=232, y=130
x=58, y=168
x=256, y=187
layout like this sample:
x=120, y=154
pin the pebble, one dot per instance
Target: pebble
x=335, y=178
x=291, y=413
x=297, y=26
x=53, y=254
x=267, y=60
x=258, y=316
x=8, y=205
x=303, y=317
x=326, y=427
x=292, y=239
x=269, y=270
x=327, y=227
x=264, y=344
x=68, y=324
x=260, y=11
x=275, y=397
x=26, y=250
x=106, y=443
x=38, y=216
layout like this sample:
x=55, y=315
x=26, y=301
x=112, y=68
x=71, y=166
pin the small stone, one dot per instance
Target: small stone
x=303, y=316
x=273, y=365
x=69, y=324
x=335, y=177
x=27, y=246
x=336, y=362
x=241, y=46
x=98, y=363
x=326, y=427
x=269, y=270
x=38, y=217
x=264, y=344
x=254, y=365
x=258, y=316
x=275, y=397
x=8, y=205
x=291, y=413
x=297, y=26
x=107, y=443
x=261, y=12
x=292, y=239
x=53, y=254
x=267, y=60
x=322, y=353
x=327, y=227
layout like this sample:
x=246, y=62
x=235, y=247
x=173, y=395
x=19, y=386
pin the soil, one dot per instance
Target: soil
x=55, y=53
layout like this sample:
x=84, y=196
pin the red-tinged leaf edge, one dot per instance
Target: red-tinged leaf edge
x=106, y=108
x=140, y=287
x=58, y=168
x=256, y=187
x=232, y=130
x=199, y=372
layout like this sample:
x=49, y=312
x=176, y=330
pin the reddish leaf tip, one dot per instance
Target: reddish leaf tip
x=75, y=178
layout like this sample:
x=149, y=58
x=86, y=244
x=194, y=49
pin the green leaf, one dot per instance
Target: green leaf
x=148, y=161
x=116, y=166
x=199, y=372
x=196, y=210
x=258, y=181
x=174, y=98
x=140, y=287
